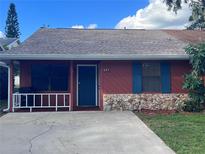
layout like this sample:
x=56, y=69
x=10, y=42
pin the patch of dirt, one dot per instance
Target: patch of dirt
x=156, y=112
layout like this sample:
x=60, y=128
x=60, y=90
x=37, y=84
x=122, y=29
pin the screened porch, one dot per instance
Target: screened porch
x=44, y=85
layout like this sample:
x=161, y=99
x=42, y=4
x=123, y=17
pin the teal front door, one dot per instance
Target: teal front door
x=87, y=85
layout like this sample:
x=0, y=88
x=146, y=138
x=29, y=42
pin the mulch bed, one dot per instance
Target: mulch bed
x=155, y=112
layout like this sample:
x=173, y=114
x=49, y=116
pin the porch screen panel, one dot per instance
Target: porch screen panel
x=59, y=78
x=50, y=77
x=40, y=76
x=151, y=77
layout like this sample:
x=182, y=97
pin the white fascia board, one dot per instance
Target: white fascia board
x=93, y=57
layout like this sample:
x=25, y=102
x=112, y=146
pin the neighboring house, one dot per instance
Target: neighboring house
x=6, y=44
x=101, y=69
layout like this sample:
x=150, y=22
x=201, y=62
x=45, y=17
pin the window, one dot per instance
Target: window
x=50, y=77
x=151, y=77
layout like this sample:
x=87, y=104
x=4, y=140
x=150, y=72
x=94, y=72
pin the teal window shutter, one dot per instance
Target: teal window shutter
x=137, y=77
x=165, y=77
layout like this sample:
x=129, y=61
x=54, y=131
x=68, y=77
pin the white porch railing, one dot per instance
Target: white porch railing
x=41, y=100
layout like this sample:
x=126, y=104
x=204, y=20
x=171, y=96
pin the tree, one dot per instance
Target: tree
x=197, y=18
x=194, y=81
x=12, y=25
x=175, y=5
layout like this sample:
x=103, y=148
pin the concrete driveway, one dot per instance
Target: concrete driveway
x=78, y=133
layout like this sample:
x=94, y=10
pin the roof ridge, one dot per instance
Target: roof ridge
x=97, y=29
x=69, y=28
x=88, y=28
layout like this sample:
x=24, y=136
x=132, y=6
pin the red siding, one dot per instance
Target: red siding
x=178, y=70
x=71, y=85
x=116, y=77
x=25, y=74
x=11, y=83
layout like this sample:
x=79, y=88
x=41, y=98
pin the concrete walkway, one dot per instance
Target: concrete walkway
x=78, y=133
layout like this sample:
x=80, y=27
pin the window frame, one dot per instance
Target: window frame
x=160, y=77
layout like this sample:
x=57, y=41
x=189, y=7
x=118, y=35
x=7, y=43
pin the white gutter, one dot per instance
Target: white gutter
x=94, y=57
x=9, y=74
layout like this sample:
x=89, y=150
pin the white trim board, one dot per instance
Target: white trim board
x=5, y=56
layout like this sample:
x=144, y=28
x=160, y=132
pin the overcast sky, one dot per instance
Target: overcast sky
x=132, y=14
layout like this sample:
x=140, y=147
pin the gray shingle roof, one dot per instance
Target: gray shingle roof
x=99, y=43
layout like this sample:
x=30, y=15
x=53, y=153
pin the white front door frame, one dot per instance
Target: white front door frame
x=96, y=84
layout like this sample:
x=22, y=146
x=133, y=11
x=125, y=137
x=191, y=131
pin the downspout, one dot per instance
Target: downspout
x=9, y=74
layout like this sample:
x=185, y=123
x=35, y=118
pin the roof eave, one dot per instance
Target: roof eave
x=93, y=57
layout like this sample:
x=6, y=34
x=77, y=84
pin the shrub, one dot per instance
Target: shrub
x=194, y=81
x=192, y=106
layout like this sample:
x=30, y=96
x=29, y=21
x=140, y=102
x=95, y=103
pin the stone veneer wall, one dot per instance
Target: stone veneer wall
x=144, y=101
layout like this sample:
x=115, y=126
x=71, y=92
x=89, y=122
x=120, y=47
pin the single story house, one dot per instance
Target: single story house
x=105, y=69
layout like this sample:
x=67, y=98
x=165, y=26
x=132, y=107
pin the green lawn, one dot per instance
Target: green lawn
x=184, y=133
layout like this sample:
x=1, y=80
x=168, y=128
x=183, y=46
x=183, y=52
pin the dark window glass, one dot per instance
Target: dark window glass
x=151, y=77
x=53, y=77
x=40, y=83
